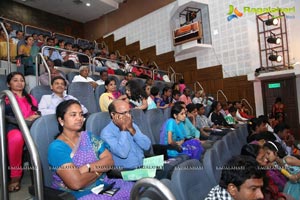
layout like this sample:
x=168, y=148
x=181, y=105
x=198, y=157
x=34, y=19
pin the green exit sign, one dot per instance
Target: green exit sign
x=274, y=85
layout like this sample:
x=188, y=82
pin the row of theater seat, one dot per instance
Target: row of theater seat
x=190, y=179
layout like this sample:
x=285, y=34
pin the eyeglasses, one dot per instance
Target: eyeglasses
x=124, y=113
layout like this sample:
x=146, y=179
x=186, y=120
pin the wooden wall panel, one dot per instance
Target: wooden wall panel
x=133, y=49
x=120, y=46
x=109, y=41
x=165, y=60
x=148, y=54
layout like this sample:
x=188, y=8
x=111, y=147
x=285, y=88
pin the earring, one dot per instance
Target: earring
x=62, y=124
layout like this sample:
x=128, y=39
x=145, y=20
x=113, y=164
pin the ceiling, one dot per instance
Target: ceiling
x=74, y=9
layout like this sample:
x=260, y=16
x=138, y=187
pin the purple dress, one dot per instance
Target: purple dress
x=87, y=150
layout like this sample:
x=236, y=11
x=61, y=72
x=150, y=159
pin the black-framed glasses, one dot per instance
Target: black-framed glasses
x=124, y=113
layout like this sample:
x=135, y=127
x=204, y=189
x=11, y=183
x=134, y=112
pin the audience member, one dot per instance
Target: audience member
x=112, y=62
x=175, y=96
x=127, y=77
x=79, y=159
x=255, y=126
x=126, y=142
x=215, y=116
x=15, y=142
x=185, y=97
x=44, y=78
x=241, y=179
x=157, y=99
x=276, y=155
x=182, y=85
x=49, y=102
x=174, y=133
x=136, y=95
x=275, y=180
x=238, y=106
x=53, y=54
x=110, y=94
x=281, y=132
x=200, y=97
x=83, y=76
x=278, y=107
x=204, y=124
x=230, y=117
x=25, y=53
x=103, y=78
x=150, y=101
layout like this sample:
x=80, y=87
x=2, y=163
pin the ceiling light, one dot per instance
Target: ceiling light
x=88, y=4
x=272, y=22
x=274, y=40
x=276, y=58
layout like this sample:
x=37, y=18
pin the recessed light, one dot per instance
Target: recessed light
x=88, y=4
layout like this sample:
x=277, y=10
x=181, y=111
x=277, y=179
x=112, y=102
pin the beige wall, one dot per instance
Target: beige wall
x=127, y=12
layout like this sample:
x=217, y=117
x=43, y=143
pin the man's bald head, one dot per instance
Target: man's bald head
x=116, y=105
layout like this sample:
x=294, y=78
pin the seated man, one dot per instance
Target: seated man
x=241, y=179
x=49, y=103
x=44, y=78
x=83, y=76
x=53, y=54
x=125, y=139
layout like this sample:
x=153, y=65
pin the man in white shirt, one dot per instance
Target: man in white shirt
x=103, y=78
x=49, y=103
x=83, y=76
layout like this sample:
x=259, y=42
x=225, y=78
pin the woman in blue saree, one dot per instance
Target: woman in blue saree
x=173, y=133
x=79, y=158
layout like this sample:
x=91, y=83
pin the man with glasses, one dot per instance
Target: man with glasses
x=126, y=142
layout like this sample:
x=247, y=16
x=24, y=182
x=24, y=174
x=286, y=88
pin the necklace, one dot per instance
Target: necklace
x=68, y=139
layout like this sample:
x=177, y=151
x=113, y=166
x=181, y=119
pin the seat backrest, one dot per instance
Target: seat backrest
x=97, y=121
x=232, y=143
x=210, y=163
x=3, y=85
x=189, y=180
x=167, y=112
x=139, y=119
x=160, y=84
x=84, y=92
x=39, y=91
x=95, y=77
x=223, y=152
x=155, y=120
x=71, y=75
x=43, y=131
x=100, y=89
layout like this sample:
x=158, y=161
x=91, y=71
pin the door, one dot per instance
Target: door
x=286, y=89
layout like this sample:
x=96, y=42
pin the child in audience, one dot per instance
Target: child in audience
x=150, y=101
x=182, y=85
x=204, y=124
x=157, y=99
x=230, y=118
x=277, y=157
x=175, y=96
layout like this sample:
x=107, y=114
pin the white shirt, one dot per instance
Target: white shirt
x=49, y=103
x=80, y=78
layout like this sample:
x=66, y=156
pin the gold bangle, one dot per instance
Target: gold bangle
x=97, y=173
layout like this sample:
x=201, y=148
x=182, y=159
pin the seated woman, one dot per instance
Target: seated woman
x=173, y=133
x=110, y=94
x=79, y=158
x=15, y=141
x=25, y=52
x=136, y=95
